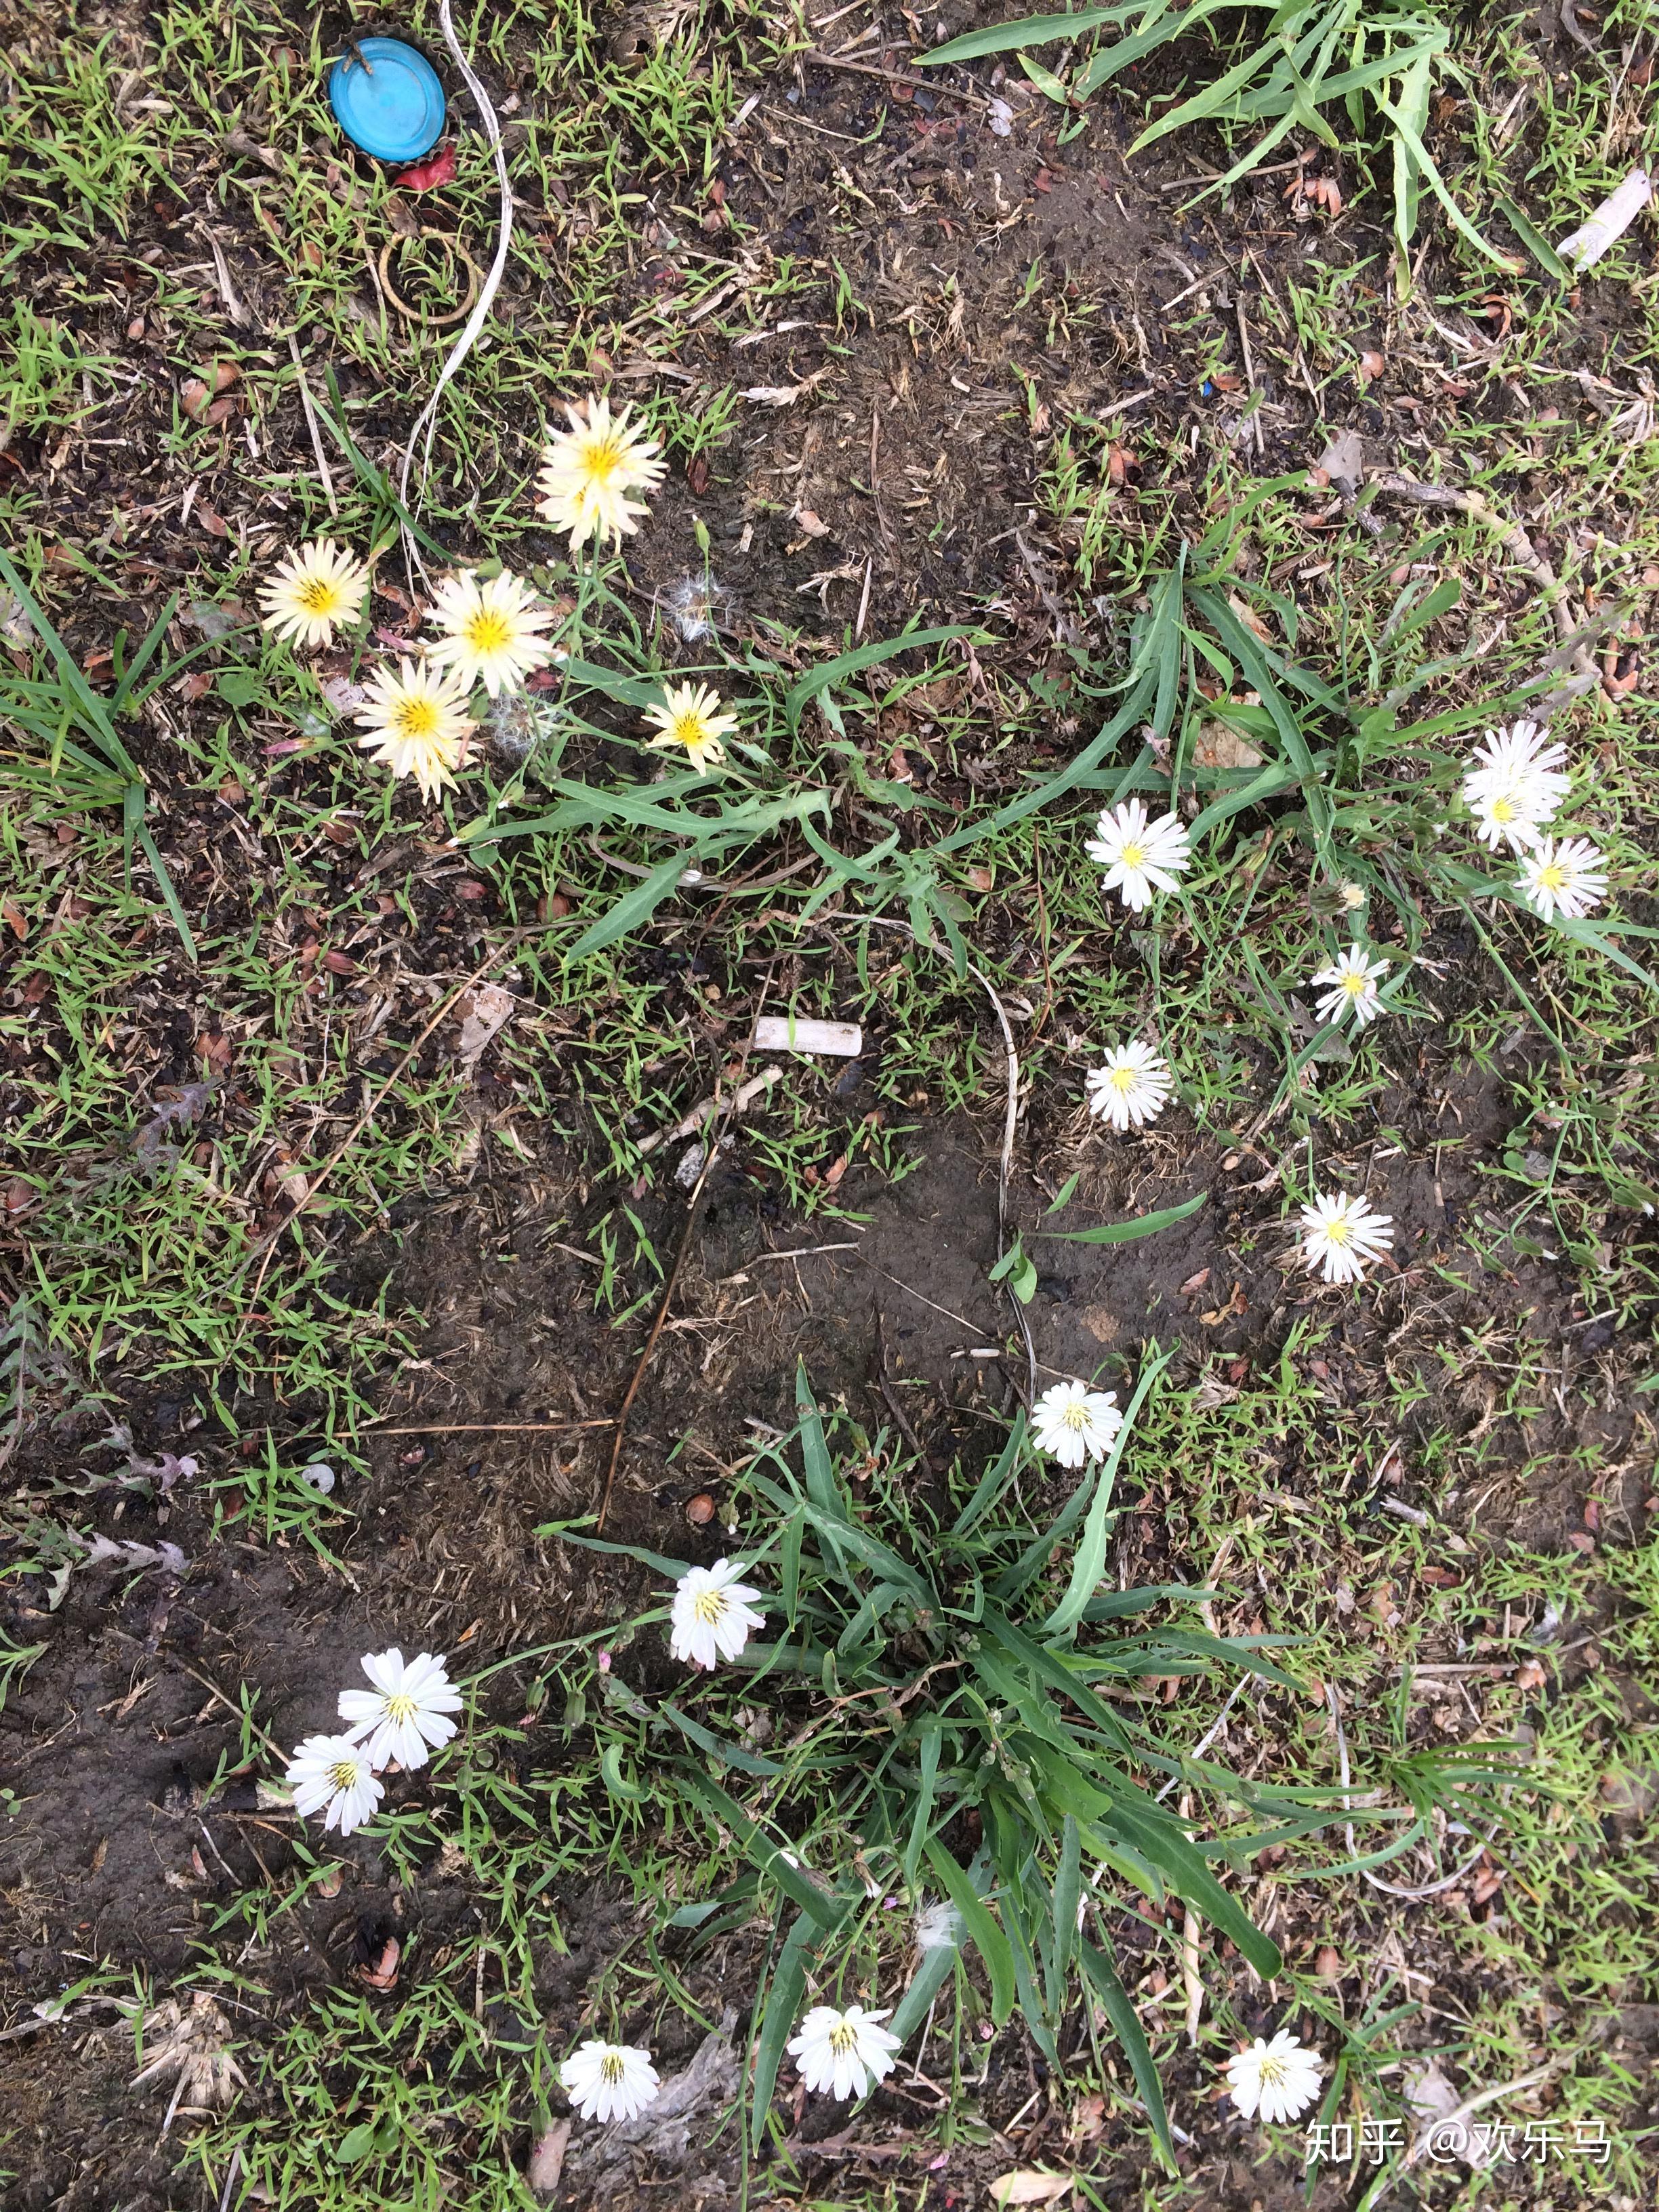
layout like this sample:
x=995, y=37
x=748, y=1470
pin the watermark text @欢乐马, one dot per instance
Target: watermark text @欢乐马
x=1456, y=2141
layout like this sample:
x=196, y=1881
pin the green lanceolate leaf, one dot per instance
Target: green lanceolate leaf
x=1127, y=1232
x=1125, y=2025
x=980, y=1925
x=1091, y=1561
x=780, y=2010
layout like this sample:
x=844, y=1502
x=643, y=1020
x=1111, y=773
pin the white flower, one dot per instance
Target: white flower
x=1342, y=1236
x=1279, y=2080
x=1353, y=980
x=407, y=1710
x=688, y=714
x=1567, y=878
x=415, y=725
x=313, y=589
x=711, y=1616
x=333, y=1771
x=589, y=470
x=1072, y=1423
x=492, y=632
x=608, y=2080
x=1138, y=856
x=843, y=2053
x=1132, y=1088
x=1514, y=785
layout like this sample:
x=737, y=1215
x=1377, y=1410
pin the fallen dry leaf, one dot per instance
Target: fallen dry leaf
x=1029, y=2185
x=812, y=524
x=483, y=1013
x=382, y=1973
x=1218, y=746
x=547, y=2158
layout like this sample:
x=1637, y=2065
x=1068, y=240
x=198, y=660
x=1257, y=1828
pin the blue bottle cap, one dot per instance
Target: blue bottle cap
x=387, y=99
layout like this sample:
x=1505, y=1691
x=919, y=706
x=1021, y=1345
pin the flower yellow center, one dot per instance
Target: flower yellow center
x=342, y=1774
x=1273, y=2072
x=400, y=1707
x=1122, y=1080
x=487, y=631
x=709, y=1606
x=1551, y=877
x=1133, y=856
x=316, y=596
x=690, y=729
x=1075, y=1415
x=1338, y=1231
x=1355, y=984
x=1504, y=809
x=611, y=2066
x=416, y=718
x=843, y=2038
x=601, y=457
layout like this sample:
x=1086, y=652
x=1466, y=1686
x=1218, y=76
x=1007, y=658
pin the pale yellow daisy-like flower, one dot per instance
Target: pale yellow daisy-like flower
x=588, y=470
x=312, y=591
x=492, y=632
x=688, y=714
x=416, y=723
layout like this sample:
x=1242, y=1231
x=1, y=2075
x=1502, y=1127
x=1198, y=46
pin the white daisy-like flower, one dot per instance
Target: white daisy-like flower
x=1515, y=785
x=1278, y=2079
x=844, y=2053
x=332, y=1772
x=589, y=470
x=312, y=591
x=1072, y=1423
x=1132, y=1088
x=688, y=714
x=1138, y=856
x=406, y=1712
x=1568, y=878
x=415, y=723
x=492, y=632
x=1351, y=981
x=609, y=2081
x=712, y=1614
x=1341, y=1237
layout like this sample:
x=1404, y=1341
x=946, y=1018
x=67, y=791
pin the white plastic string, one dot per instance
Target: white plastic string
x=427, y=419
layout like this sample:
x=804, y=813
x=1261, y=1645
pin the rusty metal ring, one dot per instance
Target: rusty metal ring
x=420, y=314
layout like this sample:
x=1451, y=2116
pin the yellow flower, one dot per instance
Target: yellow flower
x=589, y=470
x=491, y=632
x=415, y=724
x=320, y=585
x=688, y=714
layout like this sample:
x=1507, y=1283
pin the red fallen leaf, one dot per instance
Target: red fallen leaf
x=1442, y=1577
x=1592, y=1513
x=196, y=685
x=470, y=888
x=1042, y=182
x=15, y=919
x=214, y=1048
x=426, y=176
x=697, y=473
x=215, y=525
x=339, y=963
x=37, y=987
x=19, y=1195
